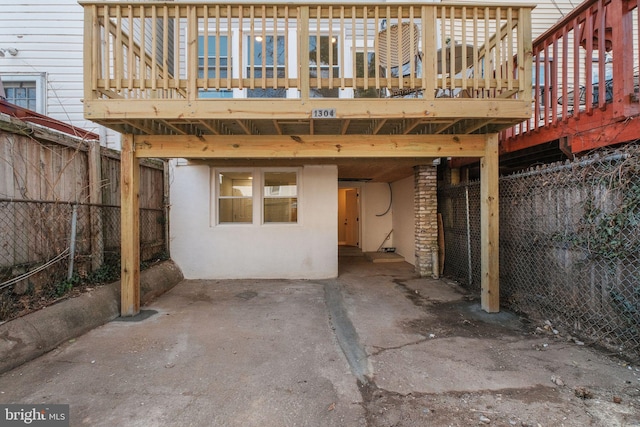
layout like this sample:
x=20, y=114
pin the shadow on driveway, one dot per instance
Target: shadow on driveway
x=375, y=347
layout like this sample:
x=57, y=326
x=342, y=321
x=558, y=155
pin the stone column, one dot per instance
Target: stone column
x=426, y=217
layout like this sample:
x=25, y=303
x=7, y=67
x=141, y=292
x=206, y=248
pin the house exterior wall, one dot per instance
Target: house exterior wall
x=375, y=201
x=204, y=250
x=403, y=219
x=48, y=35
x=544, y=15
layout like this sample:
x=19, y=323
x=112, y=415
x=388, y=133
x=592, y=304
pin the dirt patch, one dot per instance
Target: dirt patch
x=527, y=407
x=46, y=288
x=472, y=368
x=463, y=319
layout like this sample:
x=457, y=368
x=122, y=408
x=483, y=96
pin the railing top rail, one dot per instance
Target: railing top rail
x=308, y=3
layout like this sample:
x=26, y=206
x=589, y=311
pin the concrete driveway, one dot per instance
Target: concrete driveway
x=376, y=347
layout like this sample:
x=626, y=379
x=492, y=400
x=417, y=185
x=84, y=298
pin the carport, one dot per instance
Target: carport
x=143, y=78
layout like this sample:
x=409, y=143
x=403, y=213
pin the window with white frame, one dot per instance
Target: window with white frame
x=217, y=53
x=268, y=59
x=367, y=63
x=25, y=90
x=235, y=197
x=256, y=196
x=324, y=62
x=280, y=197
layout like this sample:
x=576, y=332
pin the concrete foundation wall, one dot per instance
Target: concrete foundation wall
x=204, y=250
x=34, y=334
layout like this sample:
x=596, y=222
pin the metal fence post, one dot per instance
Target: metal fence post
x=72, y=239
x=469, y=265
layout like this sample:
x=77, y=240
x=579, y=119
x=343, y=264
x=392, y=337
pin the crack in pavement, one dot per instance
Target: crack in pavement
x=381, y=350
x=346, y=333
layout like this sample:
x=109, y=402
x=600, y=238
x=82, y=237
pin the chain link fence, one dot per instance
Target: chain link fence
x=569, y=245
x=47, y=248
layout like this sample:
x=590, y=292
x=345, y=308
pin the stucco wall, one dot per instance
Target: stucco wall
x=404, y=223
x=375, y=201
x=204, y=250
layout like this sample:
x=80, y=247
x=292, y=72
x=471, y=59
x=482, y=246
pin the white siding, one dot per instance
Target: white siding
x=48, y=35
x=545, y=14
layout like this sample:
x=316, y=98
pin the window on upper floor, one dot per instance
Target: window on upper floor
x=268, y=61
x=25, y=90
x=323, y=63
x=217, y=64
x=370, y=66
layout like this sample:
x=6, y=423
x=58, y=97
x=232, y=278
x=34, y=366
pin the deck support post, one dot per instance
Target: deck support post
x=130, y=229
x=489, y=227
x=95, y=198
x=425, y=208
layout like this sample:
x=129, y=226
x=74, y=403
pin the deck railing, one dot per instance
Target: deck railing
x=189, y=50
x=585, y=75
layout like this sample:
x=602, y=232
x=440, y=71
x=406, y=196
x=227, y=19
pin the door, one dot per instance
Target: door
x=348, y=217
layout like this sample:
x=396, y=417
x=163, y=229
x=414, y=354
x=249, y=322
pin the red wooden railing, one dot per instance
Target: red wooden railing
x=592, y=51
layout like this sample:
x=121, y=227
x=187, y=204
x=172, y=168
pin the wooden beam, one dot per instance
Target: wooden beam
x=623, y=67
x=175, y=127
x=129, y=229
x=308, y=146
x=140, y=126
x=379, y=126
x=599, y=130
x=95, y=198
x=489, y=231
x=210, y=128
x=345, y=127
x=411, y=126
x=303, y=43
x=244, y=125
x=90, y=55
x=443, y=127
x=277, y=127
x=296, y=109
x=478, y=125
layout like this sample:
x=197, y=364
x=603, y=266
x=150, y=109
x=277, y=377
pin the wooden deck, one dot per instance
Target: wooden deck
x=584, y=99
x=306, y=69
x=363, y=86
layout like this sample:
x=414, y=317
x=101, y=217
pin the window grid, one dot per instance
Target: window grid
x=256, y=196
x=23, y=94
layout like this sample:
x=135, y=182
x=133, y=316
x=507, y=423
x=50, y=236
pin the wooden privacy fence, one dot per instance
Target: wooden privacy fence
x=59, y=194
x=145, y=50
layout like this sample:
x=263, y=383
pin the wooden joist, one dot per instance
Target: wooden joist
x=308, y=146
